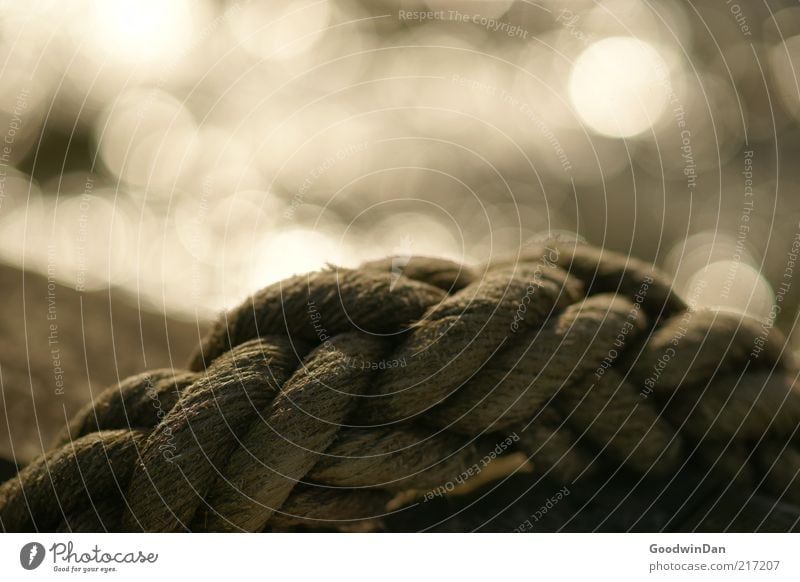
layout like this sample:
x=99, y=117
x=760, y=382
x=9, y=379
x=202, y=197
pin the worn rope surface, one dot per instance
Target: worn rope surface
x=323, y=397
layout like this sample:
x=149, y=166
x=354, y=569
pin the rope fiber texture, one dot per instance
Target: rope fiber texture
x=323, y=398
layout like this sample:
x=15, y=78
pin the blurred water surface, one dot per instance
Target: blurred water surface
x=190, y=152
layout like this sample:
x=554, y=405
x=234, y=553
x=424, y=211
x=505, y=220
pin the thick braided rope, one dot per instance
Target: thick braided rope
x=323, y=397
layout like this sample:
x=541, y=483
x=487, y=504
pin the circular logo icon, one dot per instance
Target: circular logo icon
x=31, y=555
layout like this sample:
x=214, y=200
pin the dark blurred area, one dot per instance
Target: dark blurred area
x=184, y=154
x=60, y=348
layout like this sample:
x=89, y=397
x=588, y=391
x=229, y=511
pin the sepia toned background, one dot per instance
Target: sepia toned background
x=162, y=160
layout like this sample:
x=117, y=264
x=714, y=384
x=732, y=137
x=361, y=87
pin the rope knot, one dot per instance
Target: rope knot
x=326, y=398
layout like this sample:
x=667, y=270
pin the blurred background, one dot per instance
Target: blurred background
x=184, y=153
x=192, y=151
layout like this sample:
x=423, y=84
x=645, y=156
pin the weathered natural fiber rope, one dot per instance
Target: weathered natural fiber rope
x=323, y=396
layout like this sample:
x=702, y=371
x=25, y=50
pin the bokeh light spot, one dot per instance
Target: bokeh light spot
x=619, y=86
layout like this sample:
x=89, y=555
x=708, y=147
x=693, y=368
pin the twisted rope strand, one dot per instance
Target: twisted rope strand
x=323, y=397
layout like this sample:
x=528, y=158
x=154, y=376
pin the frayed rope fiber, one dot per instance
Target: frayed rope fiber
x=325, y=397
